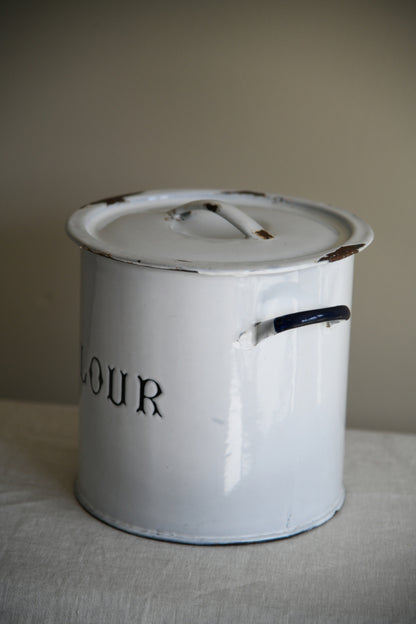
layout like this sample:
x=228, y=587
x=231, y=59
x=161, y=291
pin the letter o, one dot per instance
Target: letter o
x=96, y=381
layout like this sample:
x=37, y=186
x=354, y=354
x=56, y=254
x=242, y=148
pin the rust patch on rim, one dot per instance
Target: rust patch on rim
x=98, y=253
x=264, y=234
x=254, y=193
x=342, y=252
x=115, y=199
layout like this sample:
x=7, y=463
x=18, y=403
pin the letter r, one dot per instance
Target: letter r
x=150, y=397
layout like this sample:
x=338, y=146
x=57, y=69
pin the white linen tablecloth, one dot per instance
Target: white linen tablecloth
x=59, y=565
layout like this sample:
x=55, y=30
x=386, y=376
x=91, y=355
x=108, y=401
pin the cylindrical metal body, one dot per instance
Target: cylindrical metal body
x=189, y=435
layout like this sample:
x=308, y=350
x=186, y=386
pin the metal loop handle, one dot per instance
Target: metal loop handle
x=264, y=329
x=245, y=224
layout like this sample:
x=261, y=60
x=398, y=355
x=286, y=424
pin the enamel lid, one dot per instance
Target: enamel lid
x=211, y=231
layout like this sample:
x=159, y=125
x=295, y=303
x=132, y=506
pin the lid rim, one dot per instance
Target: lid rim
x=361, y=234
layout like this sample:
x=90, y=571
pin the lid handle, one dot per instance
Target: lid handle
x=239, y=219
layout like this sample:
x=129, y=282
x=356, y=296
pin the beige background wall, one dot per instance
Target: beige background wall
x=312, y=99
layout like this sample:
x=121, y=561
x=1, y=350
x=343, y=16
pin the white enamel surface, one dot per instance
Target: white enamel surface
x=140, y=229
x=250, y=442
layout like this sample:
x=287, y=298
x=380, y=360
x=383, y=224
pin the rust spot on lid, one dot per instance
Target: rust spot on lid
x=116, y=199
x=254, y=193
x=211, y=207
x=264, y=234
x=342, y=252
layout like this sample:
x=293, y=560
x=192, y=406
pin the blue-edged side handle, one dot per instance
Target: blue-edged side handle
x=310, y=317
x=264, y=329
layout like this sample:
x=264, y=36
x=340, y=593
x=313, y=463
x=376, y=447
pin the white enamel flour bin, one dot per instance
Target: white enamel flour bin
x=214, y=353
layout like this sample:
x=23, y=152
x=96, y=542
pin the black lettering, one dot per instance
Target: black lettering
x=122, y=385
x=150, y=397
x=98, y=382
